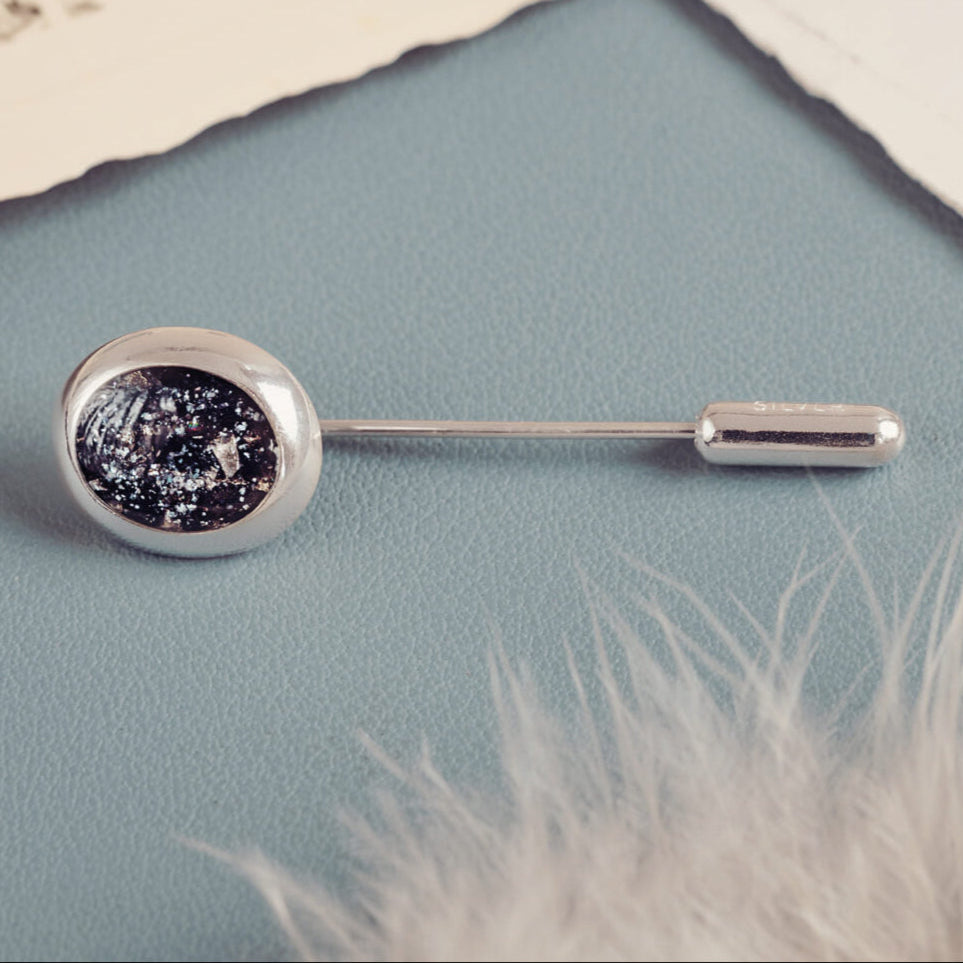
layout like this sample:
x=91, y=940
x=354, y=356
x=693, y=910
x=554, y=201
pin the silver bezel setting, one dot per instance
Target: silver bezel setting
x=260, y=375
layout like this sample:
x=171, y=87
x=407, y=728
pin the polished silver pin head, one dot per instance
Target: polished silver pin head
x=186, y=441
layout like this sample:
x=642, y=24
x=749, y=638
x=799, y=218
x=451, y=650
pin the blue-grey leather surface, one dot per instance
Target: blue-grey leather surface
x=597, y=210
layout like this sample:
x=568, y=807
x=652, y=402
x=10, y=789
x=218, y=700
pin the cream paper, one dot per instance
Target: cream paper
x=894, y=67
x=83, y=81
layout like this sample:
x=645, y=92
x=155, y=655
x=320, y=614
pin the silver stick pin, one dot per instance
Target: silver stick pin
x=186, y=441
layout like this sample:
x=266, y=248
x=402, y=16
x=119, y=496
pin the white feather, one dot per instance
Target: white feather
x=673, y=825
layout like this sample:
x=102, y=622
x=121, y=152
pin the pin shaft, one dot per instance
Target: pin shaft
x=726, y=432
x=628, y=430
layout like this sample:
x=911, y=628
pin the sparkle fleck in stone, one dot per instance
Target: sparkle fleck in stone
x=176, y=449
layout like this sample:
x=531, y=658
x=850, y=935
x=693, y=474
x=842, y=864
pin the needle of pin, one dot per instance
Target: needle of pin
x=510, y=429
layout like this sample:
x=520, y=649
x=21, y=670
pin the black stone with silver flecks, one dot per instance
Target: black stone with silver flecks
x=176, y=449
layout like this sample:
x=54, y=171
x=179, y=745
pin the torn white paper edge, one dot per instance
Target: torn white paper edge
x=892, y=66
x=84, y=81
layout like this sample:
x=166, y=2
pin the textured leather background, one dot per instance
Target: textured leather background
x=598, y=210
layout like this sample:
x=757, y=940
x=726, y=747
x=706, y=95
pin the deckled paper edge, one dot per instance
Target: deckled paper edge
x=922, y=141
x=61, y=134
